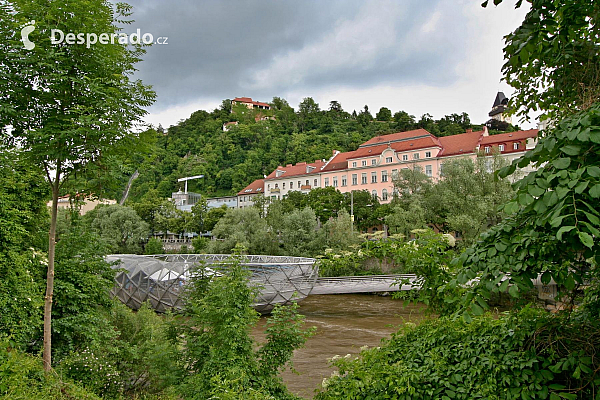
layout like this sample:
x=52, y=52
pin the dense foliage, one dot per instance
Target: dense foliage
x=529, y=355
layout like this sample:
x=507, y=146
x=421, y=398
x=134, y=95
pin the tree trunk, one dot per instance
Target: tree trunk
x=47, y=355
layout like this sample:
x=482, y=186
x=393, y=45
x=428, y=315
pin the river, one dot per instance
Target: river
x=344, y=324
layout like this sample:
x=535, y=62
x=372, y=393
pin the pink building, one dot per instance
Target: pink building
x=373, y=165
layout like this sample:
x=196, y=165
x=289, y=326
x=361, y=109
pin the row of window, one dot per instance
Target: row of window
x=292, y=184
x=364, y=177
x=389, y=160
x=501, y=147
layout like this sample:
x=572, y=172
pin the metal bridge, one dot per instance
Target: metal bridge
x=362, y=284
x=391, y=283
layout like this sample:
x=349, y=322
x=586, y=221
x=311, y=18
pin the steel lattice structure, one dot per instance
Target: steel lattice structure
x=159, y=279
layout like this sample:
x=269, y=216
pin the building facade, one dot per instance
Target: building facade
x=375, y=163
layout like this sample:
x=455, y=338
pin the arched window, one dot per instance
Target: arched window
x=384, y=194
x=374, y=193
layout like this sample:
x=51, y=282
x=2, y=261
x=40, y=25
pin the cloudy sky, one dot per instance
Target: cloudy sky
x=435, y=56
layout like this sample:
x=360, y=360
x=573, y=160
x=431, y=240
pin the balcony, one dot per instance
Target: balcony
x=305, y=187
x=275, y=190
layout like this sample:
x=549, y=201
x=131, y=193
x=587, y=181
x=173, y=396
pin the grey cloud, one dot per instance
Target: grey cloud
x=217, y=49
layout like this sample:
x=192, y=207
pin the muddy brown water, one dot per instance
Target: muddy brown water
x=344, y=324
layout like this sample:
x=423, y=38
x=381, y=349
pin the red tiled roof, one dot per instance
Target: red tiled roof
x=460, y=144
x=294, y=170
x=396, y=137
x=407, y=145
x=340, y=161
x=509, y=137
x=253, y=187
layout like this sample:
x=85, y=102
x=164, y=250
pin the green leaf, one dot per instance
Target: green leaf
x=511, y=207
x=592, y=218
x=513, y=290
x=586, y=239
x=561, y=163
x=535, y=191
x=581, y=187
x=593, y=171
x=525, y=199
x=595, y=191
x=562, y=230
x=477, y=310
x=503, y=285
x=467, y=317
x=571, y=149
x=546, y=277
x=595, y=135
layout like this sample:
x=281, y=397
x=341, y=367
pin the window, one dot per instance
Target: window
x=384, y=195
x=428, y=171
x=269, y=186
x=344, y=181
x=374, y=161
x=388, y=159
x=315, y=183
x=415, y=156
x=487, y=149
x=354, y=179
x=373, y=177
x=363, y=178
x=394, y=174
x=384, y=176
x=404, y=157
x=335, y=181
x=283, y=185
x=354, y=164
x=307, y=183
x=364, y=163
x=299, y=184
x=326, y=182
x=374, y=193
x=427, y=154
x=276, y=185
x=516, y=146
x=501, y=147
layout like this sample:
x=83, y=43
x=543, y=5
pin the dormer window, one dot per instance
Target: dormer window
x=279, y=173
x=364, y=163
x=374, y=161
x=501, y=147
x=516, y=146
x=404, y=157
x=354, y=164
x=415, y=156
x=487, y=149
x=427, y=154
x=388, y=159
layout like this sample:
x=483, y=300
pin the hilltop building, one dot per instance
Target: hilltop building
x=251, y=104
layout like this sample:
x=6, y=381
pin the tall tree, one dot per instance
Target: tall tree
x=69, y=105
x=552, y=58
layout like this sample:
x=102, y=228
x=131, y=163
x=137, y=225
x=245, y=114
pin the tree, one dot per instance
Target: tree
x=242, y=227
x=213, y=216
x=384, y=114
x=404, y=121
x=69, y=105
x=299, y=233
x=199, y=212
x=119, y=227
x=552, y=58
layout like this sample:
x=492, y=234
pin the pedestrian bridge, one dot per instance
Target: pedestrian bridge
x=390, y=283
x=362, y=284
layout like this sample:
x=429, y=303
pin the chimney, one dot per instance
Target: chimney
x=289, y=165
x=469, y=130
x=334, y=152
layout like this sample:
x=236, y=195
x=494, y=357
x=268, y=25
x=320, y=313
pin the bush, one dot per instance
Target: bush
x=138, y=359
x=22, y=377
x=154, y=246
x=219, y=352
x=529, y=355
